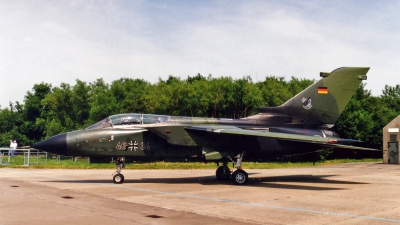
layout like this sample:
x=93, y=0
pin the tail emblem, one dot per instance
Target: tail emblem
x=307, y=103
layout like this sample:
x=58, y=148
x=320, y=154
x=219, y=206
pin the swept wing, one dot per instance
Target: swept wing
x=324, y=142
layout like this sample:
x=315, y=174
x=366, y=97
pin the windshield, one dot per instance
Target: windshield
x=101, y=124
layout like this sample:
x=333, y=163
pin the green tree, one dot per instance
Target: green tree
x=67, y=108
x=7, y=121
x=252, y=99
x=276, y=91
x=158, y=98
x=172, y=88
x=30, y=114
x=80, y=104
x=222, y=97
x=130, y=94
x=102, y=101
x=358, y=120
x=194, y=95
x=297, y=85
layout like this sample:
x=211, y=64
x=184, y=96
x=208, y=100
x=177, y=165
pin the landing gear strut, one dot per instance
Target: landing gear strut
x=239, y=176
x=118, y=177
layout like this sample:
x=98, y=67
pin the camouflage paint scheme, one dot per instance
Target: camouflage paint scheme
x=300, y=125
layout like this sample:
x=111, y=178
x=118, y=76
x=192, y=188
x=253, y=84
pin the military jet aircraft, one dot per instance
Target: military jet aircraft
x=300, y=125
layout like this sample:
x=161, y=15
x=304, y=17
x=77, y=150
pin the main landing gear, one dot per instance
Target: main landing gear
x=238, y=177
x=118, y=177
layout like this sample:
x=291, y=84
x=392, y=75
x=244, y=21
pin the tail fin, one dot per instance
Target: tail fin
x=324, y=101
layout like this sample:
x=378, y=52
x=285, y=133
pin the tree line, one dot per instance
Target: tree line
x=47, y=110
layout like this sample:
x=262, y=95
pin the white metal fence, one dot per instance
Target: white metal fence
x=31, y=156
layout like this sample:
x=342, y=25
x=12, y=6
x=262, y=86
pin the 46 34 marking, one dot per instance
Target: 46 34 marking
x=132, y=146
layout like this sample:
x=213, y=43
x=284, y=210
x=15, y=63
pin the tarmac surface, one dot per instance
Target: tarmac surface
x=353, y=193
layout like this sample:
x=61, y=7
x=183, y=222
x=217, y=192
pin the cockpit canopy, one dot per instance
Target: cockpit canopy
x=129, y=119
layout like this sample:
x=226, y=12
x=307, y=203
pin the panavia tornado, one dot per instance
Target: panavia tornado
x=300, y=125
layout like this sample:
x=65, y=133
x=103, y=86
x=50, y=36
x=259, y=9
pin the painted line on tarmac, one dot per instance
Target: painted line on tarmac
x=221, y=200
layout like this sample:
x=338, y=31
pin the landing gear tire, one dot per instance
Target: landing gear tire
x=239, y=177
x=118, y=178
x=223, y=173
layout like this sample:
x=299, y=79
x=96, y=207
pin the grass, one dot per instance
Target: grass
x=80, y=163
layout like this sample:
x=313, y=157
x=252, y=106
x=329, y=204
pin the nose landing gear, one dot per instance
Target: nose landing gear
x=118, y=177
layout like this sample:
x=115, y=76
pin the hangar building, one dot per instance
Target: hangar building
x=391, y=137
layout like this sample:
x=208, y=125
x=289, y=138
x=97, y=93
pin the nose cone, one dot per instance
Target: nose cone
x=56, y=144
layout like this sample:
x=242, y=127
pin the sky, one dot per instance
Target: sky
x=61, y=41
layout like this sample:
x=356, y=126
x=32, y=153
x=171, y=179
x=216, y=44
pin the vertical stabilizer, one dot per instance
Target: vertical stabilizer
x=323, y=101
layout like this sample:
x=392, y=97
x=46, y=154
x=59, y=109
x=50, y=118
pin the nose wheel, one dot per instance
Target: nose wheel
x=118, y=178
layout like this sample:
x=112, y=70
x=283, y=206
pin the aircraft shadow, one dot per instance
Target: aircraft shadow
x=290, y=181
x=296, y=181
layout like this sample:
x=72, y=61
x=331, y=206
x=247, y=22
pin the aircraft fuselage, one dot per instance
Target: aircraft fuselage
x=170, y=139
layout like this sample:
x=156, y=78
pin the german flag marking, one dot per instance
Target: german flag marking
x=322, y=90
